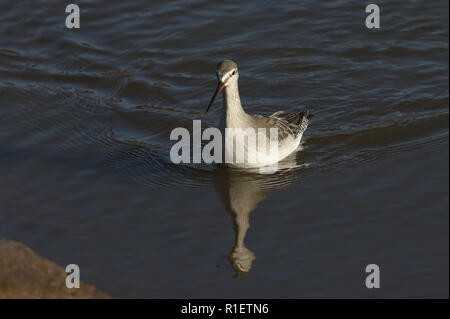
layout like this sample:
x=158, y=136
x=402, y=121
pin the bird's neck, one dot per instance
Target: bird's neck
x=232, y=111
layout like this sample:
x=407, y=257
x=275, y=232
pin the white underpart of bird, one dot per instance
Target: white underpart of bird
x=289, y=128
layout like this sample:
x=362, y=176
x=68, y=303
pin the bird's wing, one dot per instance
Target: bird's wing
x=291, y=123
x=276, y=114
x=268, y=122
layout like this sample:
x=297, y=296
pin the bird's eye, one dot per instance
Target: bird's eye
x=233, y=73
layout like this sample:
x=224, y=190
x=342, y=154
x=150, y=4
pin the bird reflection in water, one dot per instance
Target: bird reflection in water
x=241, y=191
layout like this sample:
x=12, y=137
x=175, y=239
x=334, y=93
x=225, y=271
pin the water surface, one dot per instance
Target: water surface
x=85, y=173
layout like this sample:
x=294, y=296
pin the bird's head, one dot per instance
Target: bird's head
x=227, y=73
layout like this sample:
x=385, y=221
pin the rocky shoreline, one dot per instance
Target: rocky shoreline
x=23, y=274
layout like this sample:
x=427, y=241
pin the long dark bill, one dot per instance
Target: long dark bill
x=219, y=88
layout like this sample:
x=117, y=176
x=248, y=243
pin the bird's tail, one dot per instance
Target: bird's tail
x=305, y=119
